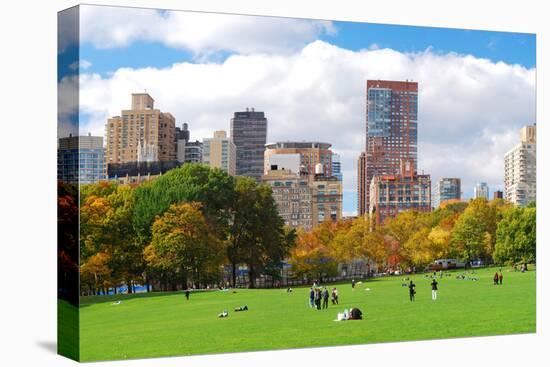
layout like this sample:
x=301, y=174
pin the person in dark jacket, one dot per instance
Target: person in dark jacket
x=434, y=289
x=495, y=279
x=500, y=278
x=311, y=297
x=318, y=298
x=412, y=291
x=355, y=314
x=187, y=294
x=325, y=298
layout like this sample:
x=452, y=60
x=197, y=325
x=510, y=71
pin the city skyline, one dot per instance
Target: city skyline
x=457, y=126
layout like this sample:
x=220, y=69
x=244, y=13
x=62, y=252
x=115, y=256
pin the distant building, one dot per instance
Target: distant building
x=481, y=190
x=520, y=169
x=446, y=189
x=187, y=151
x=81, y=159
x=193, y=152
x=249, y=134
x=311, y=153
x=219, y=152
x=392, y=194
x=182, y=138
x=305, y=200
x=141, y=134
x=498, y=195
x=391, y=133
x=293, y=196
x=137, y=172
x=337, y=166
x=326, y=198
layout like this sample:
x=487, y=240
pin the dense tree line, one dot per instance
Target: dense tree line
x=492, y=231
x=178, y=229
x=183, y=227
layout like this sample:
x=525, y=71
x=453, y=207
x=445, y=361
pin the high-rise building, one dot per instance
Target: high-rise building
x=446, y=189
x=326, y=198
x=311, y=153
x=140, y=134
x=249, y=134
x=498, y=195
x=305, y=200
x=293, y=195
x=81, y=159
x=182, y=138
x=361, y=184
x=219, y=152
x=392, y=194
x=481, y=190
x=520, y=169
x=337, y=166
x=391, y=132
x=193, y=152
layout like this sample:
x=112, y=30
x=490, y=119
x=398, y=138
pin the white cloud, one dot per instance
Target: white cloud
x=470, y=109
x=83, y=65
x=200, y=33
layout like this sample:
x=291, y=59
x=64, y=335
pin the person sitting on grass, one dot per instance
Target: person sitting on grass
x=223, y=314
x=242, y=308
x=355, y=314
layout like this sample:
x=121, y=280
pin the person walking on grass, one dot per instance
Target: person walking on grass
x=412, y=291
x=495, y=279
x=325, y=298
x=353, y=284
x=311, y=297
x=500, y=278
x=187, y=294
x=434, y=289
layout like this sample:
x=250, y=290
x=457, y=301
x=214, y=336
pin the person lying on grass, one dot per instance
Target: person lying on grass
x=223, y=314
x=242, y=308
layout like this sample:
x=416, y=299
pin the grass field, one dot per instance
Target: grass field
x=165, y=324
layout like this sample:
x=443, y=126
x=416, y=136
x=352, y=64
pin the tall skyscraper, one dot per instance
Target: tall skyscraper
x=446, y=189
x=249, y=134
x=81, y=159
x=481, y=190
x=219, y=152
x=391, y=132
x=520, y=169
x=311, y=153
x=141, y=134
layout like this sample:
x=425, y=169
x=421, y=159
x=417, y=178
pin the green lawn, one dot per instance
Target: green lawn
x=153, y=325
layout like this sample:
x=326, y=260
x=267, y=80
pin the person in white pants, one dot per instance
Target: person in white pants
x=434, y=289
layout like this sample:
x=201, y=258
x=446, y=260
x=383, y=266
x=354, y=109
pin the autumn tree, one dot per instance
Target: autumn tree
x=181, y=242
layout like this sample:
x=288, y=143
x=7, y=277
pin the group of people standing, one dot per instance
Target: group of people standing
x=497, y=278
x=412, y=289
x=318, y=295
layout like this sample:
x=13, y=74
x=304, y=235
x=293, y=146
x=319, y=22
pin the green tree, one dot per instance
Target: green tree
x=516, y=236
x=213, y=188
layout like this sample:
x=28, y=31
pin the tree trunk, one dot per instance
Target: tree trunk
x=251, y=277
x=234, y=274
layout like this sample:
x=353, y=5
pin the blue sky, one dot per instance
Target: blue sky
x=475, y=120
x=511, y=48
